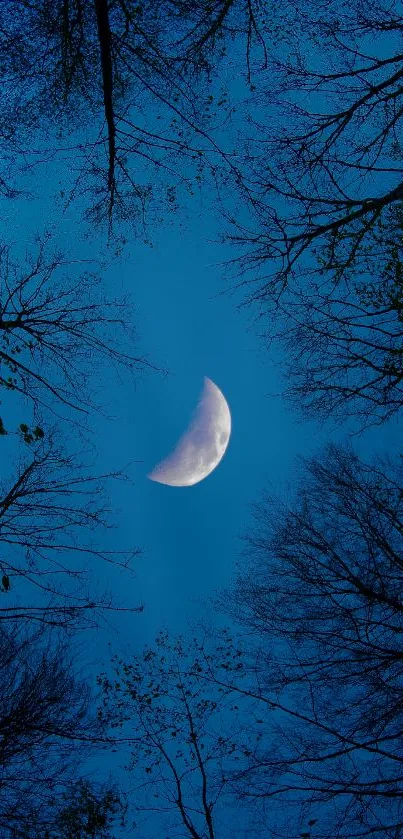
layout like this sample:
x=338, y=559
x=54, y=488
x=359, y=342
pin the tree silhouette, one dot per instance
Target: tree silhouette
x=88, y=813
x=300, y=719
x=322, y=600
x=186, y=739
x=323, y=161
x=344, y=338
x=130, y=69
x=53, y=515
x=48, y=730
x=56, y=327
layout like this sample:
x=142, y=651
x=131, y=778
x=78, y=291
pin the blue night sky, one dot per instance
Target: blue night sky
x=190, y=323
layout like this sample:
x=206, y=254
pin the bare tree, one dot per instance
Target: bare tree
x=325, y=157
x=321, y=600
x=344, y=338
x=53, y=516
x=56, y=326
x=186, y=740
x=131, y=70
x=48, y=730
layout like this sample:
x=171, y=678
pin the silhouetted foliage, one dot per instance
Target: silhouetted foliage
x=56, y=327
x=344, y=338
x=296, y=725
x=47, y=732
x=325, y=158
x=88, y=813
x=129, y=73
x=322, y=182
x=185, y=735
x=53, y=516
x=321, y=600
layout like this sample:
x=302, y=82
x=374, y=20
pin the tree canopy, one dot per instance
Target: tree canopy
x=54, y=515
x=140, y=73
x=48, y=727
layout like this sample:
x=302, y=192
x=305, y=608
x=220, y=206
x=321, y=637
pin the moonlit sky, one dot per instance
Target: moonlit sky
x=190, y=326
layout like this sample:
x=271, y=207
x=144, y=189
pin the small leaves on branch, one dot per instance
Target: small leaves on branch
x=31, y=435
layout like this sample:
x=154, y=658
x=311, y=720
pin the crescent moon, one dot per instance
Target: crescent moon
x=202, y=446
